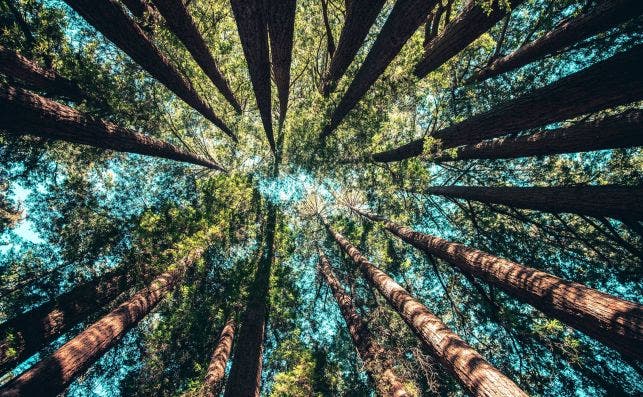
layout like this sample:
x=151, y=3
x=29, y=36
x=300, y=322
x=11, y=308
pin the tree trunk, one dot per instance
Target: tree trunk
x=457, y=35
x=251, y=24
x=618, y=131
x=360, y=16
x=213, y=382
x=615, y=322
x=405, y=18
x=21, y=22
x=141, y=9
x=607, y=14
x=378, y=367
x=109, y=18
x=281, y=26
x=612, y=201
x=182, y=25
x=612, y=82
x=22, y=112
x=330, y=42
x=478, y=376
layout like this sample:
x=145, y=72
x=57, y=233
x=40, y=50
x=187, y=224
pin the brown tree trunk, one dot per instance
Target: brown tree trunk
x=360, y=16
x=607, y=14
x=182, y=25
x=405, y=18
x=109, y=18
x=281, y=26
x=22, y=112
x=378, y=367
x=253, y=32
x=213, y=382
x=615, y=322
x=612, y=82
x=612, y=201
x=477, y=375
x=457, y=35
x=618, y=131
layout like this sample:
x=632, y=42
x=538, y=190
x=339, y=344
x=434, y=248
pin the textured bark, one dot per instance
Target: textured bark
x=253, y=32
x=612, y=82
x=610, y=201
x=29, y=332
x=180, y=22
x=477, y=375
x=213, y=382
x=281, y=26
x=109, y=18
x=22, y=112
x=457, y=35
x=360, y=16
x=615, y=322
x=619, y=131
x=607, y=14
x=405, y=18
x=378, y=367
x=28, y=73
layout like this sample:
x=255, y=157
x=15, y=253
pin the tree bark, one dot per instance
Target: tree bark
x=457, y=35
x=213, y=382
x=405, y=18
x=180, y=22
x=377, y=365
x=614, y=322
x=607, y=14
x=109, y=18
x=281, y=26
x=251, y=24
x=330, y=42
x=612, y=201
x=22, y=112
x=478, y=376
x=612, y=82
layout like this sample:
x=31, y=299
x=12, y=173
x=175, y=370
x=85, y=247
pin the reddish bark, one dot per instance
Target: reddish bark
x=213, y=382
x=281, y=25
x=22, y=112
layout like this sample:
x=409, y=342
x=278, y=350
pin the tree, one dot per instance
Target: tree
x=281, y=25
x=213, y=382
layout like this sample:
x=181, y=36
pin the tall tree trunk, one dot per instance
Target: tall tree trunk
x=52, y=375
x=462, y=31
x=607, y=14
x=29, y=332
x=281, y=26
x=618, y=131
x=478, y=376
x=405, y=18
x=253, y=32
x=182, y=25
x=612, y=201
x=109, y=18
x=360, y=16
x=612, y=82
x=22, y=112
x=615, y=322
x=245, y=374
x=377, y=365
x=330, y=42
x=213, y=382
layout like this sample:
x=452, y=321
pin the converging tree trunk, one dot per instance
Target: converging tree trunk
x=22, y=112
x=330, y=41
x=612, y=321
x=478, y=376
x=281, y=26
x=605, y=15
x=109, y=18
x=405, y=18
x=213, y=382
x=377, y=365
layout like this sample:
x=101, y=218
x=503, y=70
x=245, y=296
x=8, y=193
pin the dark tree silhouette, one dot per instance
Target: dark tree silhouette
x=281, y=26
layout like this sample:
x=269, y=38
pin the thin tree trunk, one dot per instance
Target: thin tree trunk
x=330, y=42
x=607, y=14
x=611, y=201
x=612, y=82
x=405, y=18
x=21, y=22
x=377, y=365
x=213, y=382
x=614, y=322
x=253, y=32
x=281, y=26
x=180, y=22
x=618, y=131
x=109, y=18
x=22, y=112
x=478, y=376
